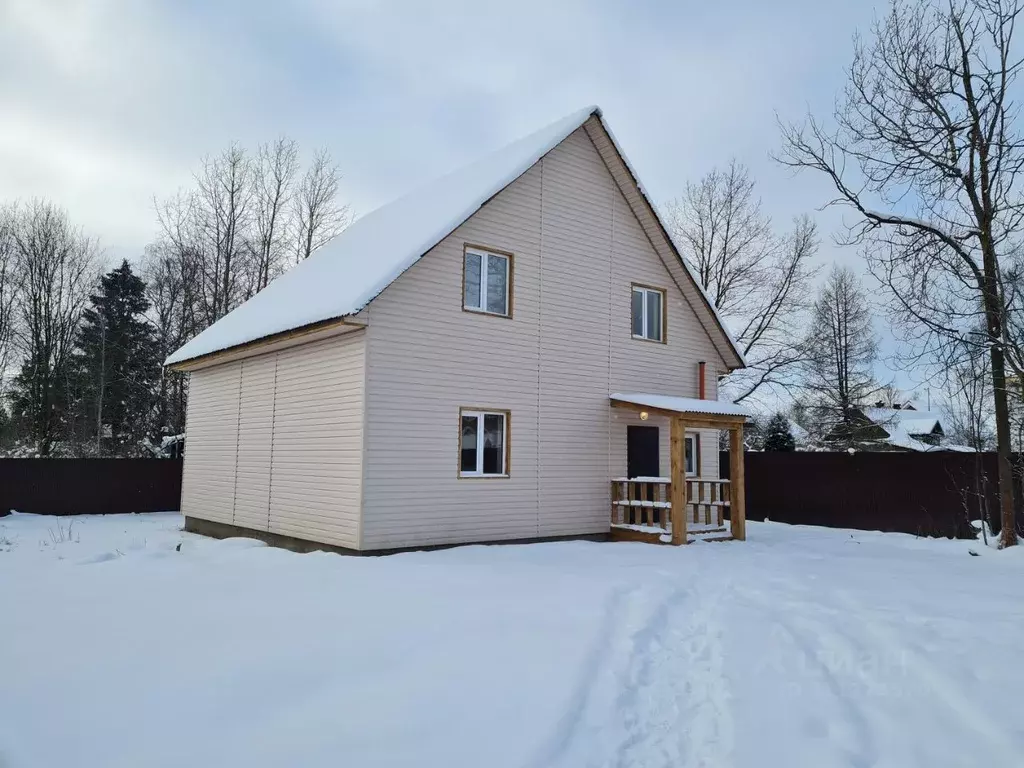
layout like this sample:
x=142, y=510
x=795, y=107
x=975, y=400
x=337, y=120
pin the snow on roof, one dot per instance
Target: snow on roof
x=903, y=423
x=918, y=426
x=346, y=274
x=683, y=404
x=912, y=421
x=902, y=440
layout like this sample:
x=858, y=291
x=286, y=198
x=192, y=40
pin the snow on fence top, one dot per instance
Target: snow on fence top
x=683, y=404
x=346, y=274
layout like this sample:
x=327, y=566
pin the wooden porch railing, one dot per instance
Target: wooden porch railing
x=706, y=500
x=647, y=501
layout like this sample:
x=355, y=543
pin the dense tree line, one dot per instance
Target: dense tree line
x=81, y=351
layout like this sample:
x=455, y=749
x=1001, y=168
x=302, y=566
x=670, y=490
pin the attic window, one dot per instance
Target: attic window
x=648, y=313
x=486, y=282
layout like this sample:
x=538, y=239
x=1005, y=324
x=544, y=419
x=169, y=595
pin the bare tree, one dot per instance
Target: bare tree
x=8, y=290
x=318, y=217
x=968, y=421
x=757, y=280
x=225, y=210
x=968, y=408
x=840, y=351
x=273, y=181
x=226, y=239
x=925, y=151
x=56, y=266
x=169, y=273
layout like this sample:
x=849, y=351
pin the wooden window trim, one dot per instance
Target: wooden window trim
x=509, y=279
x=664, y=312
x=508, y=443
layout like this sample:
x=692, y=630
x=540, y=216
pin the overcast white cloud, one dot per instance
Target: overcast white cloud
x=107, y=103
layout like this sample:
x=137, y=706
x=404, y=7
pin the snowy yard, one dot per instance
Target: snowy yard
x=801, y=647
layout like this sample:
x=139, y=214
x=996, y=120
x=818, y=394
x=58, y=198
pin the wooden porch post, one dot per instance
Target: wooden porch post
x=677, y=448
x=737, y=505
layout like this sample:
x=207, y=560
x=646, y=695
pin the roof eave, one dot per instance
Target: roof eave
x=283, y=339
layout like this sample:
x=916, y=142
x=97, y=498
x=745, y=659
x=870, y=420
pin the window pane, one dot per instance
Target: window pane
x=471, y=298
x=497, y=280
x=467, y=463
x=689, y=456
x=638, y=313
x=654, y=315
x=494, y=444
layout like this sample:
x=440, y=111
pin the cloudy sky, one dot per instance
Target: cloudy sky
x=106, y=104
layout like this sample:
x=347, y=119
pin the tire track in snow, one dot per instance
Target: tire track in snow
x=962, y=707
x=675, y=703
x=844, y=654
x=595, y=667
x=831, y=657
x=653, y=692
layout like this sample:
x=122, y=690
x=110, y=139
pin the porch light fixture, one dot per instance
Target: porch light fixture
x=644, y=415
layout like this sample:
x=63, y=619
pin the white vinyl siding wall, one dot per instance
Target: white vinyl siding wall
x=255, y=441
x=211, y=429
x=274, y=443
x=578, y=249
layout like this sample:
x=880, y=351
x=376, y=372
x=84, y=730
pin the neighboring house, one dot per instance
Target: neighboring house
x=908, y=428
x=445, y=370
x=897, y=429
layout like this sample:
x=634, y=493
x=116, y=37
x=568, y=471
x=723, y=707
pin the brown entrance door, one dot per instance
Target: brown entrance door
x=642, y=451
x=642, y=461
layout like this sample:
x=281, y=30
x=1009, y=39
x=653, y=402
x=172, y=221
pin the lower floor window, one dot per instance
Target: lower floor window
x=483, y=450
x=692, y=453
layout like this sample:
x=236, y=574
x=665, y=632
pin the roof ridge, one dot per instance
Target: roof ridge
x=345, y=275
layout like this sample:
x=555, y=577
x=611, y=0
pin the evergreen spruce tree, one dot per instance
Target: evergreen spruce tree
x=116, y=366
x=777, y=436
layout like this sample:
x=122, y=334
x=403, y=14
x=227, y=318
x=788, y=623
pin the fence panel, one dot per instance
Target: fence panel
x=928, y=494
x=89, y=486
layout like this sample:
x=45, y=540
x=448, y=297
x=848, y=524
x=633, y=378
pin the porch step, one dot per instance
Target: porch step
x=630, y=533
x=647, y=535
x=718, y=537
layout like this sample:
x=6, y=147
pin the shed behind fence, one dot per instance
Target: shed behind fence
x=928, y=494
x=89, y=486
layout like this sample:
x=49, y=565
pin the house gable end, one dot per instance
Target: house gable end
x=677, y=280
x=655, y=231
x=577, y=250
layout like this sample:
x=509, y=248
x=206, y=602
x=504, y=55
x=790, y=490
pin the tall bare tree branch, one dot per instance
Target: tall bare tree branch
x=758, y=280
x=924, y=150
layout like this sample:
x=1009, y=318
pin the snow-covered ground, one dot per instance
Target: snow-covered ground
x=801, y=647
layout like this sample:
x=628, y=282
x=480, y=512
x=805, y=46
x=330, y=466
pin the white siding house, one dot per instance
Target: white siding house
x=451, y=382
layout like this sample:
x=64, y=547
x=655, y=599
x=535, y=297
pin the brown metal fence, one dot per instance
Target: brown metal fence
x=89, y=486
x=929, y=494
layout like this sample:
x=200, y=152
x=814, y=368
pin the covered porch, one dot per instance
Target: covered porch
x=681, y=508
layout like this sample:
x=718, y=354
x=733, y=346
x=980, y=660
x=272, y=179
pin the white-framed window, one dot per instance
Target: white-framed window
x=486, y=282
x=692, y=455
x=648, y=313
x=483, y=443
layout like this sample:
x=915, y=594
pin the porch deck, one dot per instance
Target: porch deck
x=642, y=509
x=665, y=509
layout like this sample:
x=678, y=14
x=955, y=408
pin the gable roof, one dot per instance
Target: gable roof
x=908, y=420
x=345, y=275
x=903, y=424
